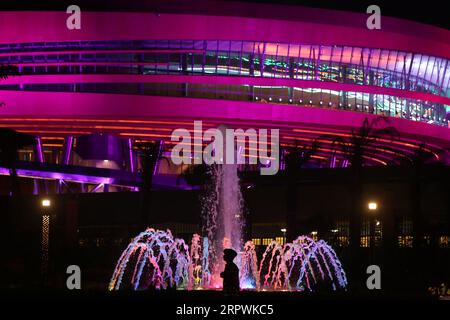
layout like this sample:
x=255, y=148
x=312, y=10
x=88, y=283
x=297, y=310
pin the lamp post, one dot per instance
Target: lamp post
x=372, y=206
x=45, y=238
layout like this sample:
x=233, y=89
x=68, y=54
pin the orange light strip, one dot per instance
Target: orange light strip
x=331, y=142
x=406, y=144
x=52, y=145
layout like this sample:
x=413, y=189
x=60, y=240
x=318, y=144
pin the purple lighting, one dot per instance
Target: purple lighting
x=130, y=154
x=67, y=151
x=38, y=150
x=58, y=176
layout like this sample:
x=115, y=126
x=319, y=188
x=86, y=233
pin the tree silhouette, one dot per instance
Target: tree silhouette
x=295, y=158
x=415, y=164
x=355, y=149
x=150, y=153
x=11, y=239
x=8, y=70
x=196, y=175
x=5, y=71
x=10, y=142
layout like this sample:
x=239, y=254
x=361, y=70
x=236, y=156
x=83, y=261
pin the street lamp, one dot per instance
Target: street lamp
x=46, y=203
x=372, y=205
x=45, y=239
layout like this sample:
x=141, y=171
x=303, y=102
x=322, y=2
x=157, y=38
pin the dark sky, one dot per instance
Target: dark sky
x=432, y=12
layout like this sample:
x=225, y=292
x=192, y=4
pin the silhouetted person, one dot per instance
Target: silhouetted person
x=231, y=273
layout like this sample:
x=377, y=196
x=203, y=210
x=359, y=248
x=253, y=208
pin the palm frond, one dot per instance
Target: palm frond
x=8, y=70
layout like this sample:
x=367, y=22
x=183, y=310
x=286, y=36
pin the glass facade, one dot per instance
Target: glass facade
x=342, y=64
x=379, y=104
x=315, y=63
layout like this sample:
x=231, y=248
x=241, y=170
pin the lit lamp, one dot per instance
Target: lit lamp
x=372, y=205
x=46, y=203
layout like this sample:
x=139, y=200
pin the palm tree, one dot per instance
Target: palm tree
x=295, y=159
x=416, y=163
x=10, y=142
x=8, y=70
x=5, y=71
x=150, y=153
x=355, y=149
x=196, y=175
x=423, y=156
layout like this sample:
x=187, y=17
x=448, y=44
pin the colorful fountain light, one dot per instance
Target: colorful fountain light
x=304, y=265
x=249, y=275
x=223, y=216
x=154, y=259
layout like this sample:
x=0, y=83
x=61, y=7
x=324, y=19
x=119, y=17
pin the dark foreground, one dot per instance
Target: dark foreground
x=193, y=304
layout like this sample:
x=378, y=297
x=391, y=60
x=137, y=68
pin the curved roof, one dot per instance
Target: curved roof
x=151, y=117
x=225, y=20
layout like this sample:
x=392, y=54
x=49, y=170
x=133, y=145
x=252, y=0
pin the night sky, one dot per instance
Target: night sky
x=432, y=12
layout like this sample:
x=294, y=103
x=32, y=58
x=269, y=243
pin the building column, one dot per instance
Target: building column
x=160, y=150
x=65, y=159
x=38, y=157
x=333, y=161
x=130, y=161
x=184, y=69
x=251, y=73
x=67, y=150
x=372, y=107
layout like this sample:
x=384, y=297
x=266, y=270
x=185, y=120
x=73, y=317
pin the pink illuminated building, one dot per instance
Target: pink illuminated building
x=131, y=77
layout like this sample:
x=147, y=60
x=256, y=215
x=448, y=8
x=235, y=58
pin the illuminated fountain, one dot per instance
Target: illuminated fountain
x=154, y=259
x=304, y=265
x=223, y=219
x=249, y=274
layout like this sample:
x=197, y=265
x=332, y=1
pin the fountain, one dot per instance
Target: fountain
x=154, y=259
x=223, y=218
x=249, y=275
x=304, y=265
